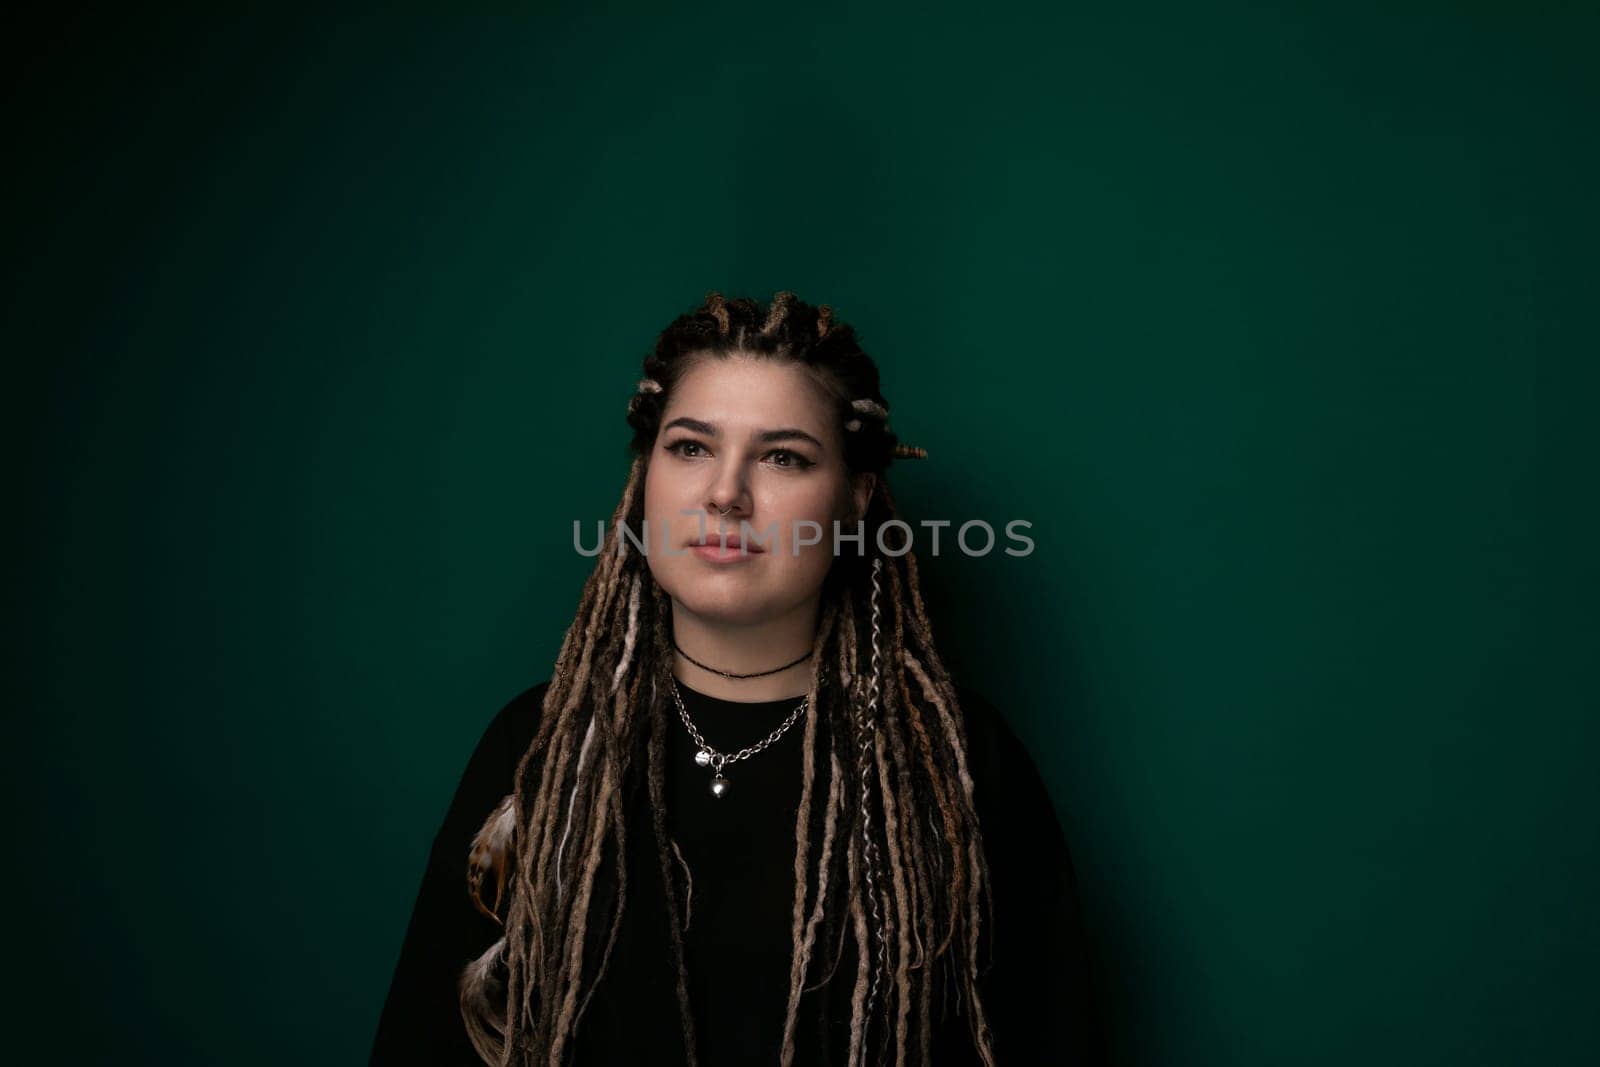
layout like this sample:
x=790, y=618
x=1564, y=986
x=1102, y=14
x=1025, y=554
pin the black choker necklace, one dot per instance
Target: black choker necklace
x=727, y=674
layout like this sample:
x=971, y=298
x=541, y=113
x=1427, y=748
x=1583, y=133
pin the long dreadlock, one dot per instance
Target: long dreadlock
x=901, y=866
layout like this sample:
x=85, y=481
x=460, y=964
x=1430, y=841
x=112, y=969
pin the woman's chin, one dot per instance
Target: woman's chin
x=734, y=604
x=737, y=614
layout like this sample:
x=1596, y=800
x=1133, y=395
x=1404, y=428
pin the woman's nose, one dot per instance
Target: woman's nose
x=729, y=493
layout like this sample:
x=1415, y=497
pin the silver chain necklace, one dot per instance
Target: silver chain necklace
x=710, y=757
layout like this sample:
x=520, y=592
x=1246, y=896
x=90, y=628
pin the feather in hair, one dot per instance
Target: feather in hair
x=491, y=855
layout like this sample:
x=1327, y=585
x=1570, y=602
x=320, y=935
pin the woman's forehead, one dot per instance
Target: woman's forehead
x=743, y=391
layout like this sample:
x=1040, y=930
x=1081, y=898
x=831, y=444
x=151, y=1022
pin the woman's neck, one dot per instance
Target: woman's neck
x=746, y=648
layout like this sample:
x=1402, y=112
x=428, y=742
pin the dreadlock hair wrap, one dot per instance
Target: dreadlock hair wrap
x=900, y=870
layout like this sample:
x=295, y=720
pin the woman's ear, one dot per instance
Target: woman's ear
x=861, y=491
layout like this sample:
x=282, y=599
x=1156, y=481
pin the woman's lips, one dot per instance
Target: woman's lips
x=733, y=552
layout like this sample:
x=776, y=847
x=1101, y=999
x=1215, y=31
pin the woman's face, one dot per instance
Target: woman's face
x=756, y=436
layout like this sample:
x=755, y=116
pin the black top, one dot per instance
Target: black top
x=740, y=854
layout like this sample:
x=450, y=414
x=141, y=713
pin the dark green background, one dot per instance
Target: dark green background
x=1278, y=325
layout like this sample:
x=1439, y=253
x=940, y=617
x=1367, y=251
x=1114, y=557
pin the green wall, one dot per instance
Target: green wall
x=1278, y=325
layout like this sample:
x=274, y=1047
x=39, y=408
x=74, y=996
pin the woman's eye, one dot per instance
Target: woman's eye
x=794, y=459
x=780, y=457
x=678, y=447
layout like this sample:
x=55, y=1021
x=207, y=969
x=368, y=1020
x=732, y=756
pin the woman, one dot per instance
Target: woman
x=750, y=817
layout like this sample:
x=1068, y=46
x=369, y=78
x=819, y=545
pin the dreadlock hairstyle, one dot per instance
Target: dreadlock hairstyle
x=901, y=866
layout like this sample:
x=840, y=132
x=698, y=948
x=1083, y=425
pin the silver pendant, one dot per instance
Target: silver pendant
x=707, y=758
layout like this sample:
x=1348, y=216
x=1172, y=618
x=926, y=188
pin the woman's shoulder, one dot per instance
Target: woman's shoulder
x=518, y=719
x=990, y=736
x=1005, y=773
x=527, y=702
x=506, y=735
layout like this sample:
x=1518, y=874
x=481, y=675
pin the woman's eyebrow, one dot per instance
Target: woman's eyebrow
x=788, y=433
